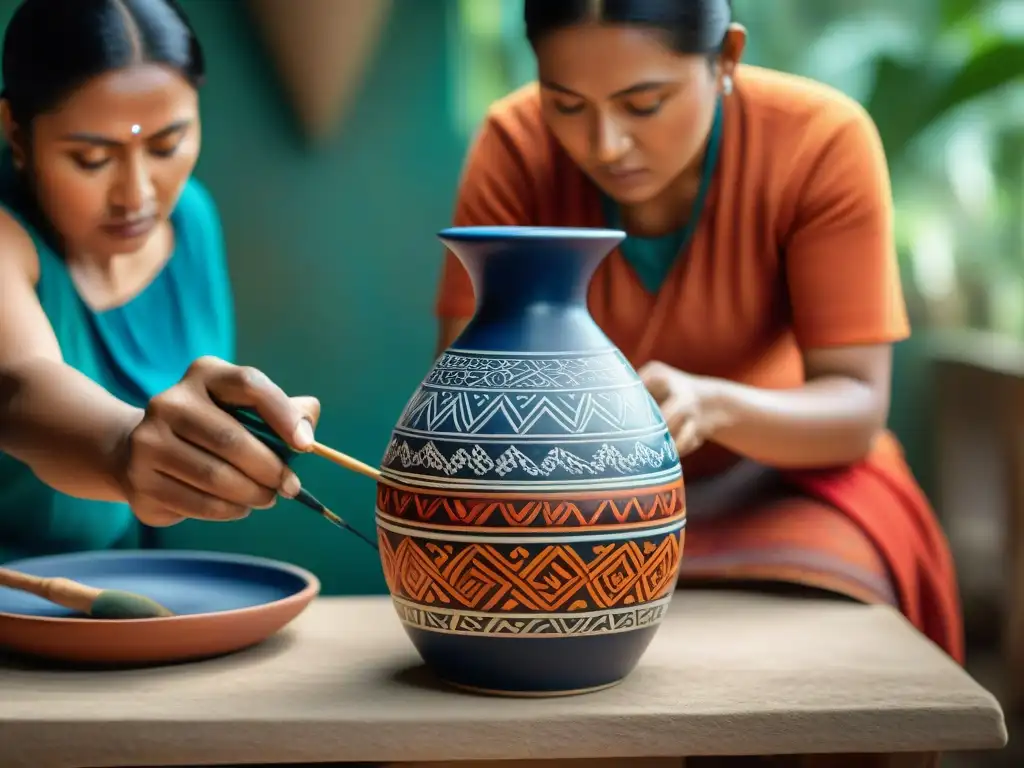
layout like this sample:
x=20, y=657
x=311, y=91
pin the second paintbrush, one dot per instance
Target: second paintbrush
x=258, y=428
x=311, y=501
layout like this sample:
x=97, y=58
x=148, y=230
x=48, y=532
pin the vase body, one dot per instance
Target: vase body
x=530, y=513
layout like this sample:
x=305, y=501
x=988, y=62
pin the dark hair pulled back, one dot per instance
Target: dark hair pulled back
x=690, y=26
x=52, y=47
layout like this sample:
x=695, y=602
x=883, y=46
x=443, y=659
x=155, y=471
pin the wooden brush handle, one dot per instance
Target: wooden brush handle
x=70, y=594
x=344, y=460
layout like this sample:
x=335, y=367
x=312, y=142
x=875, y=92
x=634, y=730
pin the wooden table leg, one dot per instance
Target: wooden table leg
x=1013, y=633
x=980, y=452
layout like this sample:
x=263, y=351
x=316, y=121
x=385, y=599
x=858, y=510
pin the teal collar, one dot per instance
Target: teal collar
x=652, y=258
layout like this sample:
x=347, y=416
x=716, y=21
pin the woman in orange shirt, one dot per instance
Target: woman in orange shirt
x=757, y=291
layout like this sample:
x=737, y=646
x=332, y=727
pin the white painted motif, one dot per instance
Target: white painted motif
x=474, y=623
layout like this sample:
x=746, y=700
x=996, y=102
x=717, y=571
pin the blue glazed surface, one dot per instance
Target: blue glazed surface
x=530, y=665
x=534, y=408
x=531, y=286
x=187, y=583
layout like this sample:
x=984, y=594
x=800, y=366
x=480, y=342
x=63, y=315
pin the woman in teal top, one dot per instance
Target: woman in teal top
x=116, y=315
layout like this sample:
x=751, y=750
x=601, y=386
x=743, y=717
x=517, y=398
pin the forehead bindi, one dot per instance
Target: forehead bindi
x=125, y=103
x=597, y=61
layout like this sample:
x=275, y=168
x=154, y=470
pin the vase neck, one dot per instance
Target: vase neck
x=515, y=272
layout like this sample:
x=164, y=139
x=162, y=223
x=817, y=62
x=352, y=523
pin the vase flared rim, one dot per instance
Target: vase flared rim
x=530, y=233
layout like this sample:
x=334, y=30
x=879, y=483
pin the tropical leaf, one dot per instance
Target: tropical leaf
x=955, y=12
x=898, y=102
x=997, y=65
x=907, y=99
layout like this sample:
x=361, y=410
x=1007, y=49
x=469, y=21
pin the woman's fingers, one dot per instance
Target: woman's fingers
x=164, y=501
x=656, y=380
x=245, y=386
x=169, y=496
x=688, y=438
x=682, y=424
x=183, y=415
x=675, y=413
x=309, y=407
x=154, y=515
x=208, y=473
x=190, y=457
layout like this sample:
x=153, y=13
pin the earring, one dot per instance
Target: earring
x=727, y=85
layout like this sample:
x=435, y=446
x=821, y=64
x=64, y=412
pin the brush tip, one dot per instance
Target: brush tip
x=117, y=604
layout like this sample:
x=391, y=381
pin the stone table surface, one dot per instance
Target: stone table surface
x=728, y=673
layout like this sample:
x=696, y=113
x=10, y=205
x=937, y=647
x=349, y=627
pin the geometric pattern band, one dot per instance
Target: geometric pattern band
x=506, y=460
x=507, y=372
x=477, y=624
x=576, y=577
x=452, y=509
x=595, y=414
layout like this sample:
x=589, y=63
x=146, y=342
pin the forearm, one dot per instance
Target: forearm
x=65, y=427
x=830, y=421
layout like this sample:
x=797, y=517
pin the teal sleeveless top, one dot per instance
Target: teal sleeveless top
x=135, y=351
x=652, y=258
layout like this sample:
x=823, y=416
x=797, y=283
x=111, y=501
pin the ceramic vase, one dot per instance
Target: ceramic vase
x=530, y=512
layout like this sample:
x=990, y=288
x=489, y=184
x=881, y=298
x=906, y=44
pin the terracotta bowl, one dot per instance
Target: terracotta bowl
x=223, y=603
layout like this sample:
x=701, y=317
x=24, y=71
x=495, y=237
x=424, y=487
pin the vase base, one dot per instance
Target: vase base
x=530, y=694
x=531, y=667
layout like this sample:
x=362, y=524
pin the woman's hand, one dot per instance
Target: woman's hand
x=687, y=404
x=188, y=458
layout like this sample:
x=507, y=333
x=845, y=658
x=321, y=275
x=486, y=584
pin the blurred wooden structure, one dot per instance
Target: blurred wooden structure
x=320, y=49
x=980, y=455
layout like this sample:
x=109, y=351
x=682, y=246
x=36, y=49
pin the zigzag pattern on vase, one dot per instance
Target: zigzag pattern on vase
x=494, y=415
x=530, y=397
x=530, y=511
x=512, y=577
x=475, y=624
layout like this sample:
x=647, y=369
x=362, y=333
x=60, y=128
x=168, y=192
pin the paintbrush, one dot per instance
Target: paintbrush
x=258, y=428
x=311, y=501
x=93, y=602
x=346, y=461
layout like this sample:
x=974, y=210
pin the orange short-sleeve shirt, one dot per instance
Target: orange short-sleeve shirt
x=794, y=249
